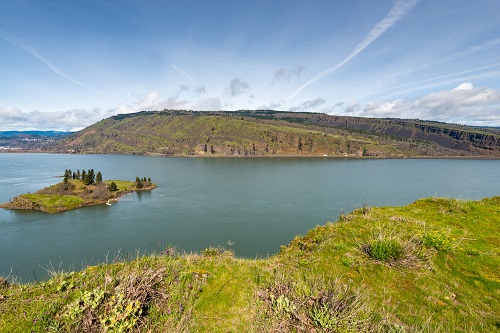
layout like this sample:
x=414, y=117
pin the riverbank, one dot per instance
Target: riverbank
x=429, y=266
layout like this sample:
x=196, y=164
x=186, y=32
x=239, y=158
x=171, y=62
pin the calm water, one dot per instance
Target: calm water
x=259, y=204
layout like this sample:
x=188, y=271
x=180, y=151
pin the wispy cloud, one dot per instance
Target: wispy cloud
x=185, y=74
x=27, y=48
x=237, y=87
x=287, y=74
x=473, y=49
x=397, y=12
x=309, y=104
x=424, y=84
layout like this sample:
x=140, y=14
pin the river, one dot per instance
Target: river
x=254, y=205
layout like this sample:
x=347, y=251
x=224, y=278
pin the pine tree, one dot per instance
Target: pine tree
x=112, y=187
x=138, y=182
x=98, y=177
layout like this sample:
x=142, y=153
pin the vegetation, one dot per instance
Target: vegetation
x=75, y=191
x=273, y=133
x=431, y=266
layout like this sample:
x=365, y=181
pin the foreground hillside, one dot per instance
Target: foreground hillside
x=431, y=266
x=274, y=133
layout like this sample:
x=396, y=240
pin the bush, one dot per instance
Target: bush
x=112, y=187
x=385, y=249
x=437, y=240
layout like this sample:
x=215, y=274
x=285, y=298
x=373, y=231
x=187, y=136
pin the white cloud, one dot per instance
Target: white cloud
x=463, y=104
x=13, y=118
x=464, y=86
x=237, y=87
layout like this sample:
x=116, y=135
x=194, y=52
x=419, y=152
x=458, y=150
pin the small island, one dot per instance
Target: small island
x=78, y=189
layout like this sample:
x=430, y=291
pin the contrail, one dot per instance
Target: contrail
x=186, y=75
x=397, y=12
x=25, y=47
x=477, y=69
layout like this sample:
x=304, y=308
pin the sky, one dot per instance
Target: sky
x=65, y=65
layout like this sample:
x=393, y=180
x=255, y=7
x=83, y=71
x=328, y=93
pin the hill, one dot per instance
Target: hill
x=431, y=266
x=276, y=133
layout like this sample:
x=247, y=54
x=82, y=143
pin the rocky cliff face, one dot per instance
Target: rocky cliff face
x=451, y=136
x=268, y=133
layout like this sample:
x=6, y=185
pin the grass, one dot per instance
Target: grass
x=431, y=266
x=232, y=134
x=54, y=203
x=63, y=197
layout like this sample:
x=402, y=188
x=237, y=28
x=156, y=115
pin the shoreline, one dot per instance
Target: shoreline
x=23, y=202
x=338, y=157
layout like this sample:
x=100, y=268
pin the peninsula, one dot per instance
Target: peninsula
x=78, y=190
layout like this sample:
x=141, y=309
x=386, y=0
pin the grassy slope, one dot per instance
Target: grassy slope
x=236, y=135
x=446, y=279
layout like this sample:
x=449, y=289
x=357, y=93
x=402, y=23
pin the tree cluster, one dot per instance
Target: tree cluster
x=140, y=183
x=88, y=177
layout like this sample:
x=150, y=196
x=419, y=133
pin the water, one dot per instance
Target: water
x=259, y=204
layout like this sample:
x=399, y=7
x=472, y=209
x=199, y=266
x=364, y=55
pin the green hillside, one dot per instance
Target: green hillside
x=431, y=266
x=274, y=133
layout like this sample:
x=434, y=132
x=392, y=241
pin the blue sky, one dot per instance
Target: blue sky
x=67, y=64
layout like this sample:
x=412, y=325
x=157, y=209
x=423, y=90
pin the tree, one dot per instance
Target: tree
x=112, y=187
x=98, y=177
x=83, y=175
x=78, y=174
x=138, y=182
x=89, y=178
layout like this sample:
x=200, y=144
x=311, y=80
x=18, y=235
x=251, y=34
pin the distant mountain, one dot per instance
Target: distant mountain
x=29, y=140
x=33, y=133
x=278, y=133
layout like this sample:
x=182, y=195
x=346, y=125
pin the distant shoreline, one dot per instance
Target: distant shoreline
x=263, y=156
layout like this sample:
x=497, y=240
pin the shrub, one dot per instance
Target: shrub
x=112, y=187
x=385, y=249
x=437, y=240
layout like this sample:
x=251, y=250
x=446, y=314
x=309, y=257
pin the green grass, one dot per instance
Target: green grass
x=55, y=202
x=444, y=277
x=63, y=197
x=122, y=185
